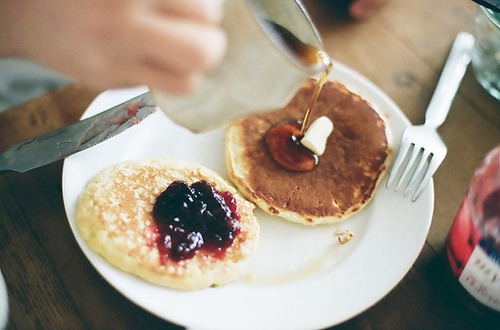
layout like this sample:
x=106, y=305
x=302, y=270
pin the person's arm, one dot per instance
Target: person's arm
x=362, y=9
x=166, y=44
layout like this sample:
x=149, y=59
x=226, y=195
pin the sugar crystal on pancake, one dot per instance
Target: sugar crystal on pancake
x=356, y=157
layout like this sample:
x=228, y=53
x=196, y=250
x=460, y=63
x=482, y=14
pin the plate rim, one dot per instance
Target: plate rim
x=4, y=302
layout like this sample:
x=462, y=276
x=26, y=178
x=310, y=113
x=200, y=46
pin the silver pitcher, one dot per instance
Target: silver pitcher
x=260, y=71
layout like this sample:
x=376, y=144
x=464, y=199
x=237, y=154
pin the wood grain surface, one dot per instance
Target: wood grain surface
x=402, y=49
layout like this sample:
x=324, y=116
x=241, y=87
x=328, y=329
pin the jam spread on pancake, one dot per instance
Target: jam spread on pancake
x=283, y=142
x=193, y=217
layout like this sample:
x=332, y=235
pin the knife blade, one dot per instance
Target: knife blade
x=76, y=137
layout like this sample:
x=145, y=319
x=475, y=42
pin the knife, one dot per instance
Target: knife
x=76, y=137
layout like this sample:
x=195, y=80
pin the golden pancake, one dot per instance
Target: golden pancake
x=356, y=157
x=115, y=216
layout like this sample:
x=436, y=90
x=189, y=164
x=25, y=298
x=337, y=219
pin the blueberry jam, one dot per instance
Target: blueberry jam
x=190, y=218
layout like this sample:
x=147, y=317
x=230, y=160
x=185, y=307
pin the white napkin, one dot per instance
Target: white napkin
x=22, y=80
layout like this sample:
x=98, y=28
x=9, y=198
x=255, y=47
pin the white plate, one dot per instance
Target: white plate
x=4, y=303
x=302, y=278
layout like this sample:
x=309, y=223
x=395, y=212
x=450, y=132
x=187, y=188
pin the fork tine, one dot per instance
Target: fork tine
x=404, y=148
x=434, y=163
x=420, y=170
x=408, y=173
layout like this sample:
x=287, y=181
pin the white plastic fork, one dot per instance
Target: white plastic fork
x=422, y=150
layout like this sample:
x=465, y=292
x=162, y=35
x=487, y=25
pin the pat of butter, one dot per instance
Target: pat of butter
x=316, y=135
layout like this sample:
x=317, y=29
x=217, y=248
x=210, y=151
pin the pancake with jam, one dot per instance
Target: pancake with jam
x=356, y=157
x=173, y=223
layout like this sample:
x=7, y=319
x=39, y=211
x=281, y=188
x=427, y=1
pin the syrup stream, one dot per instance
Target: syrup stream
x=322, y=56
x=309, y=55
x=283, y=140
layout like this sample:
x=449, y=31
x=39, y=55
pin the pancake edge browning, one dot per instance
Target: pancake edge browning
x=114, y=216
x=236, y=158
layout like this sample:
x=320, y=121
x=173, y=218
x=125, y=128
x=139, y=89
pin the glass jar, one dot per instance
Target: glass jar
x=473, y=243
x=486, y=52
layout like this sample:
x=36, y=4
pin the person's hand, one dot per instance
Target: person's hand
x=168, y=45
x=362, y=9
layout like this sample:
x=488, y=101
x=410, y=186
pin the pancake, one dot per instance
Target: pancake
x=115, y=216
x=356, y=157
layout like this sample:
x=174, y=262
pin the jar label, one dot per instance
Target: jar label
x=481, y=278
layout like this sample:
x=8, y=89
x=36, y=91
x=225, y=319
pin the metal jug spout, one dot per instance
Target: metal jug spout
x=265, y=64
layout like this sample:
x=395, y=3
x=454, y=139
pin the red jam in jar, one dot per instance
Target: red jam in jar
x=193, y=217
x=473, y=243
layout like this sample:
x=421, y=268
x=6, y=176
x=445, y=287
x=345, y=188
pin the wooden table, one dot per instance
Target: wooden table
x=402, y=49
